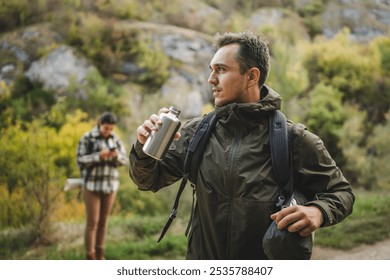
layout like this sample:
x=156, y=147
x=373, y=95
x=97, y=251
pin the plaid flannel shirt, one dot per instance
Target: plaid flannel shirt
x=102, y=175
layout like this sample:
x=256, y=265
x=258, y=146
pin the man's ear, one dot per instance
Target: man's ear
x=254, y=75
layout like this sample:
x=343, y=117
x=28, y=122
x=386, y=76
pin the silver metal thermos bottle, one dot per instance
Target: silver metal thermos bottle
x=159, y=141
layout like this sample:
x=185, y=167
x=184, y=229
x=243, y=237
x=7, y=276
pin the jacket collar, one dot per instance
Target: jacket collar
x=269, y=102
x=95, y=133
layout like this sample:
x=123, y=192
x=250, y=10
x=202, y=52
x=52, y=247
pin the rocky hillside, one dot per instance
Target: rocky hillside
x=45, y=53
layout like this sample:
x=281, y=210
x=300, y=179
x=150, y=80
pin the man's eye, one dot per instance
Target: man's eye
x=220, y=69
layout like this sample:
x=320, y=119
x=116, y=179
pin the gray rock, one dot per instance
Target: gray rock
x=17, y=51
x=196, y=15
x=365, y=19
x=194, y=53
x=185, y=49
x=7, y=73
x=182, y=93
x=266, y=17
x=59, y=68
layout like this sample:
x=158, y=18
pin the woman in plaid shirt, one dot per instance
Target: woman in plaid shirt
x=99, y=154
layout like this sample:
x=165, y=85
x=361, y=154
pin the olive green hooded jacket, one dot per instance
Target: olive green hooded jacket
x=236, y=188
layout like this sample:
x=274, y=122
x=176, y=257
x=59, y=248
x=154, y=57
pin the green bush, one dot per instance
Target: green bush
x=366, y=153
x=310, y=8
x=325, y=117
x=367, y=224
x=341, y=63
x=151, y=59
x=95, y=96
x=29, y=170
x=18, y=13
x=12, y=13
x=383, y=45
x=122, y=9
x=135, y=202
x=354, y=69
x=14, y=243
x=352, y=143
x=288, y=75
x=34, y=164
x=30, y=100
x=378, y=156
x=108, y=45
x=6, y=113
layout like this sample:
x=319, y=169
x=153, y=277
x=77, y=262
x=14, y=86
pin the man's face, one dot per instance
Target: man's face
x=228, y=84
x=106, y=129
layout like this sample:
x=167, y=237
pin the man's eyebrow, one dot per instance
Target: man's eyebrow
x=218, y=65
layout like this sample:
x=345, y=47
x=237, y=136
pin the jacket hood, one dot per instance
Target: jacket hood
x=271, y=100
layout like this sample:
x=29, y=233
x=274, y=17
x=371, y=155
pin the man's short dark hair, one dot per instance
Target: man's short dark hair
x=107, y=117
x=253, y=52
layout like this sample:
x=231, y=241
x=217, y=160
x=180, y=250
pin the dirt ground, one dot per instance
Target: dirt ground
x=377, y=251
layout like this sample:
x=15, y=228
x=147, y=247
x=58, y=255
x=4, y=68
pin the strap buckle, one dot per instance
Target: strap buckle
x=281, y=200
x=173, y=214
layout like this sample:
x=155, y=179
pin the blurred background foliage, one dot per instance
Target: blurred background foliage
x=337, y=87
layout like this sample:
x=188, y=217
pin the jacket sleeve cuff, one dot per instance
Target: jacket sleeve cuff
x=326, y=213
x=138, y=152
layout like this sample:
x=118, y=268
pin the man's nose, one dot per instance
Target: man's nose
x=212, y=79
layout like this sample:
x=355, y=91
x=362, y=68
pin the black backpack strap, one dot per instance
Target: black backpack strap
x=281, y=143
x=172, y=216
x=191, y=162
x=197, y=145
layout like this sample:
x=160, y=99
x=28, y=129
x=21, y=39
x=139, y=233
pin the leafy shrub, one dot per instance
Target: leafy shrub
x=341, y=63
x=5, y=106
x=288, y=75
x=383, y=45
x=19, y=13
x=133, y=201
x=378, y=156
x=122, y=9
x=14, y=243
x=14, y=210
x=354, y=70
x=149, y=57
x=30, y=100
x=325, y=117
x=12, y=13
x=352, y=143
x=313, y=25
x=366, y=154
x=35, y=163
x=28, y=168
x=94, y=97
x=367, y=224
x=109, y=46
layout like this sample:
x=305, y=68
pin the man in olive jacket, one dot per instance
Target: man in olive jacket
x=236, y=188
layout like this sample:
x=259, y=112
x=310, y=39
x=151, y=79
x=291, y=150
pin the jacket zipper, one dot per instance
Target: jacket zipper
x=231, y=182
